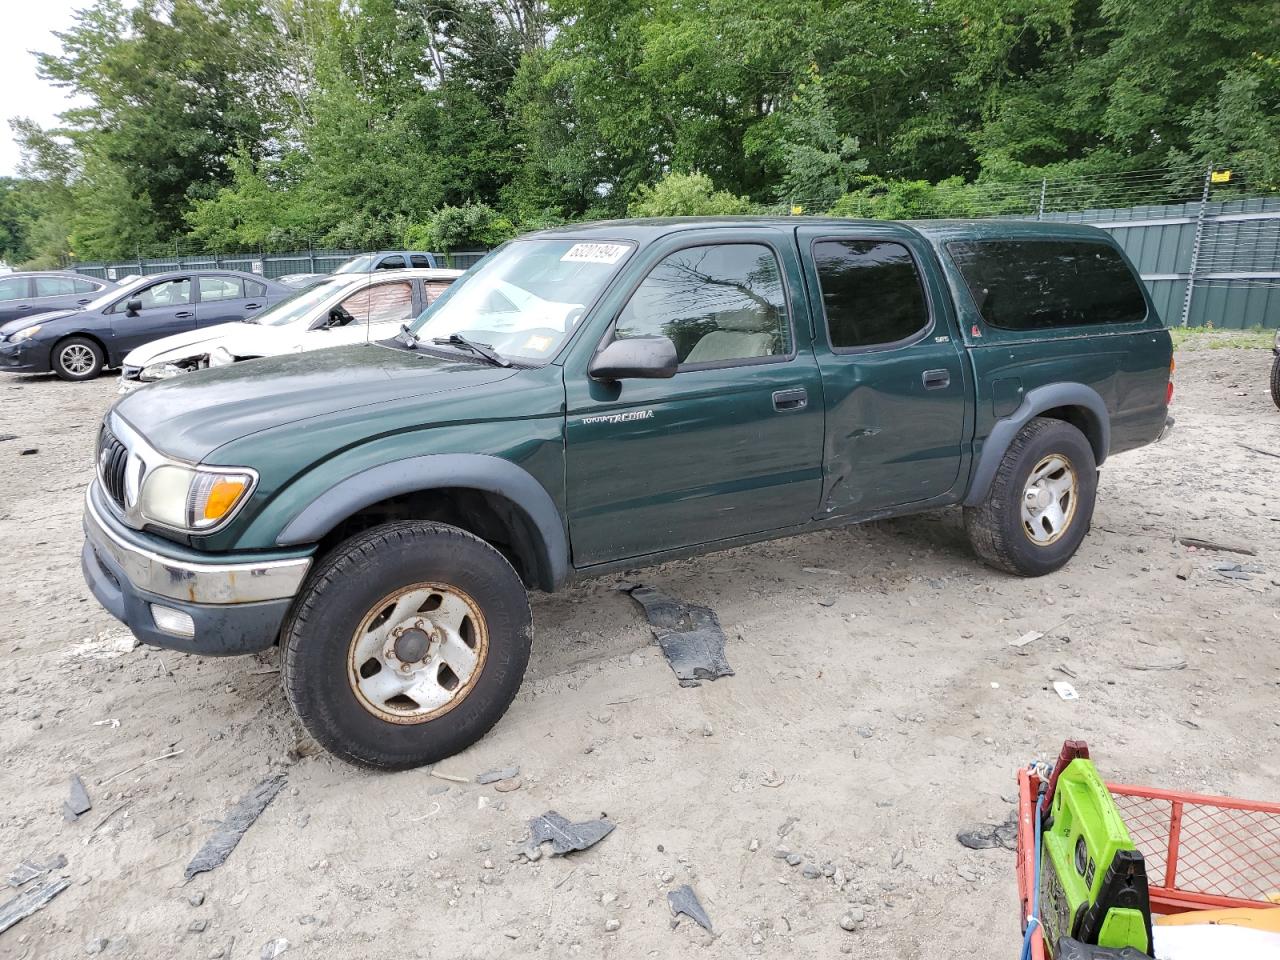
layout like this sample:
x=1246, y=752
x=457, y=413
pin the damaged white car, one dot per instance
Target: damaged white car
x=346, y=308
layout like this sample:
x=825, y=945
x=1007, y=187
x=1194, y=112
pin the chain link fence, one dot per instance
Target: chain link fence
x=186, y=256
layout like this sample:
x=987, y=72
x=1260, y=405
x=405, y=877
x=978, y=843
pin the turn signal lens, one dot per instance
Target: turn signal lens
x=214, y=495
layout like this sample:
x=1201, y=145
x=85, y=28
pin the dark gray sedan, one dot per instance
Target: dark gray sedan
x=26, y=294
x=77, y=344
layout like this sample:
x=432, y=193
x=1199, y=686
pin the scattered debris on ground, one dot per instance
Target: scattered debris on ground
x=29, y=870
x=493, y=776
x=690, y=635
x=986, y=836
x=29, y=901
x=1218, y=545
x=78, y=803
x=685, y=901
x=564, y=837
x=239, y=819
x=1065, y=690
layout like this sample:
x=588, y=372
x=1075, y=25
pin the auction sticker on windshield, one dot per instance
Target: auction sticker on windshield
x=594, y=253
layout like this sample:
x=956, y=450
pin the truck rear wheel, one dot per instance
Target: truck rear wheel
x=1040, y=503
x=406, y=645
x=1275, y=381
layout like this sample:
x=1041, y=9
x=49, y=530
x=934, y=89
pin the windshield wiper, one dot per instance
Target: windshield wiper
x=479, y=349
x=408, y=337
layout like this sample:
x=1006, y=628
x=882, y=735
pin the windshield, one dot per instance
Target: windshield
x=303, y=302
x=112, y=294
x=361, y=264
x=525, y=298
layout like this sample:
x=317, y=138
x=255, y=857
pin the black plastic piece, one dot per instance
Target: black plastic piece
x=1069, y=949
x=1124, y=885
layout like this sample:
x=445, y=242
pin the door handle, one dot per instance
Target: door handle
x=787, y=400
x=84, y=301
x=252, y=306
x=936, y=379
x=184, y=314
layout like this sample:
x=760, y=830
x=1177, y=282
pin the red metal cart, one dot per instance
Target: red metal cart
x=1201, y=852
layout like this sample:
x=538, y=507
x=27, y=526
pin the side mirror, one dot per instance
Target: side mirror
x=133, y=307
x=636, y=358
x=338, y=317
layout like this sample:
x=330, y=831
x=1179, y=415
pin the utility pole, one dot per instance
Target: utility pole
x=1195, y=246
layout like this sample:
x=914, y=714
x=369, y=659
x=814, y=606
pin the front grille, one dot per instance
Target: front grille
x=113, y=456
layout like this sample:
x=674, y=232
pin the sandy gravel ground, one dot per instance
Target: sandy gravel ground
x=877, y=708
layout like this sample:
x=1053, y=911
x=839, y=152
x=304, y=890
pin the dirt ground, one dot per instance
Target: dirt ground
x=877, y=708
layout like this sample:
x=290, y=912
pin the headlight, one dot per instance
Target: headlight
x=26, y=334
x=160, y=371
x=220, y=357
x=193, y=498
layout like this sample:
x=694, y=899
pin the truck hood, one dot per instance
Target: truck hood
x=189, y=417
x=239, y=338
x=13, y=326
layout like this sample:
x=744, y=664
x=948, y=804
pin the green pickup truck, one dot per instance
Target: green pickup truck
x=605, y=396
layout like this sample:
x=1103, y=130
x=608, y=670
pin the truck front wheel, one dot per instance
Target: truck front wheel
x=406, y=645
x=1040, y=503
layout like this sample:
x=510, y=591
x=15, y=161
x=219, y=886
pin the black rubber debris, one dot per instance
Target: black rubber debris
x=566, y=837
x=28, y=902
x=239, y=819
x=78, y=803
x=686, y=901
x=690, y=635
x=987, y=836
x=29, y=870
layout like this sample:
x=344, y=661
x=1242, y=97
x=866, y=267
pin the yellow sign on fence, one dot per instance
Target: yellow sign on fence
x=1220, y=176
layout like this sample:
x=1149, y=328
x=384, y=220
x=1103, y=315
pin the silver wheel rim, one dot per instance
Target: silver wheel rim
x=1049, y=500
x=418, y=653
x=76, y=359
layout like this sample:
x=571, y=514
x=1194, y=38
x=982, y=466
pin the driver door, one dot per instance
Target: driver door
x=166, y=309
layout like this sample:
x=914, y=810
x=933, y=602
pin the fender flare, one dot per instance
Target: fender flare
x=1034, y=403
x=417, y=474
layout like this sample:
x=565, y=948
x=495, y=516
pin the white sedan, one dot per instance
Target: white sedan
x=343, y=309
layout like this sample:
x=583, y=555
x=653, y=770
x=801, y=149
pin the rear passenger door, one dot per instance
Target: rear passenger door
x=893, y=380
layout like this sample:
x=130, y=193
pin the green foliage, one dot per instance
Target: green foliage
x=468, y=227
x=685, y=195
x=361, y=123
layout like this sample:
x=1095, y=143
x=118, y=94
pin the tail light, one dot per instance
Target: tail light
x=1168, y=396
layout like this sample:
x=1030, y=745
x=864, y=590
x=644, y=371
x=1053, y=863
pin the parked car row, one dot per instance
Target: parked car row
x=77, y=326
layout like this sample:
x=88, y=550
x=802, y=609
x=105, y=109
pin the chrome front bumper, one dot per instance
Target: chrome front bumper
x=205, y=583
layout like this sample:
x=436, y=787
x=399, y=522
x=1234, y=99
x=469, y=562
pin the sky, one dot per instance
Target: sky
x=22, y=93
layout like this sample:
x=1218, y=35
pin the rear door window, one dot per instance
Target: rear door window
x=220, y=288
x=381, y=304
x=86, y=286
x=252, y=288
x=1044, y=284
x=871, y=293
x=55, y=286
x=420, y=261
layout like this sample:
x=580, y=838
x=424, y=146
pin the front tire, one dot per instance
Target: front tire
x=406, y=645
x=1040, y=503
x=77, y=358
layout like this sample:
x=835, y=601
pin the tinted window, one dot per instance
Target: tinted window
x=13, y=288
x=55, y=286
x=420, y=261
x=1035, y=284
x=871, y=292
x=380, y=304
x=86, y=286
x=220, y=288
x=391, y=263
x=716, y=303
x=252, y=288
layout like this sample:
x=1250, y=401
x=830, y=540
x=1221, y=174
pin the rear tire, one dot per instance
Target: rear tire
x=1040, y=503
x=77, y=358
x=406, y=645
x=1275, y=381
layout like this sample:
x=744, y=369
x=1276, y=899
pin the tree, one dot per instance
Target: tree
x=685, y=195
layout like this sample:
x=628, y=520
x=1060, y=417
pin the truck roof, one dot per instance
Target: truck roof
x=935, y=231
